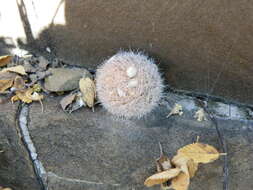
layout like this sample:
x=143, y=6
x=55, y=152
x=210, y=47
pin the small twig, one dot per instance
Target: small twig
x=161, y=149
x=42, y=106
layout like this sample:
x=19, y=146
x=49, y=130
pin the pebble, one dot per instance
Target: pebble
x=64, y=79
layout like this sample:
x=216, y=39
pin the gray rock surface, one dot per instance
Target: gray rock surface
x=95, y=150
x=16, y=170
x=64, y=79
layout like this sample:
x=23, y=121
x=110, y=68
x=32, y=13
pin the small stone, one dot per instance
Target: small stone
x=43, y=63
x=131, y=72
x=33, y=77
x=29, y=68
x=64, y=79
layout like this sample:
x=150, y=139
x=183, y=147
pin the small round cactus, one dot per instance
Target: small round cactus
x=129, y=84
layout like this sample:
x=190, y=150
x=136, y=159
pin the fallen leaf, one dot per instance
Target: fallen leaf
x=5, y=60
x=14, y=98
x=78, y=103
x=88, y=90
x=34, y=96
x=176, y=110
x=27, y=96
x=6, y=81
x=192, y=167
x=19, y=83
x=72, y=102
x=188, y=166
x=181, y=162
x=185, y=165
x=161, y=177
x=163, y=162
x=180, y=182
x=200, y=115
x=22, y=95
x=67, y=100
x=6, y=188
x=37, y=88
x=199, y=152
x=17, y=69
x=5, y=84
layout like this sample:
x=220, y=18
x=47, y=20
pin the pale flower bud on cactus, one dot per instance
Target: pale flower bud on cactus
x=129, y=84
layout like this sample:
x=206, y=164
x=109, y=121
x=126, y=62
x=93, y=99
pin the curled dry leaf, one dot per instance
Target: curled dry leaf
x=88, y=90
x=37, y=87
x=27, y=96
x=72, y=102
x=67, y=100
x=181, y=162
x=5, y=60
x=17, y=69
x=163, y=162
x=188, y=166
x=176, y=110
x=78, y=103
x=200, y=115
x=34, y=96
x=6, y=188
x=19, y=83
x=161, y=177
x=6, y=80
x=192, y=167
x=199, y=152
x=180, y=182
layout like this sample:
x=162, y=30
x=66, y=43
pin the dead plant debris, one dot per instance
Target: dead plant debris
x=88, y=89
x=5, y=60
x=177, y=172
x=176, y=110
x=23, y=79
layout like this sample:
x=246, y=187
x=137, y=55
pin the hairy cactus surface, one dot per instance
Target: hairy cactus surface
x=129, y=84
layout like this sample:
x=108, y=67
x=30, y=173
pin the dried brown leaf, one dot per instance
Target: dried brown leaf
x=163, y=162
x=5, y=84
x=180, y=182
x=67, y=100
x=199, y=152
x=88, y=90
x=192, y=167
x=6, y=81
x=161, y=177
x=34, y=96
x=17, y=69
x=5, y=60
x=19, y=83
x=6, y=188
x=181, y=162
x=188, y=166
x=27, y=96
